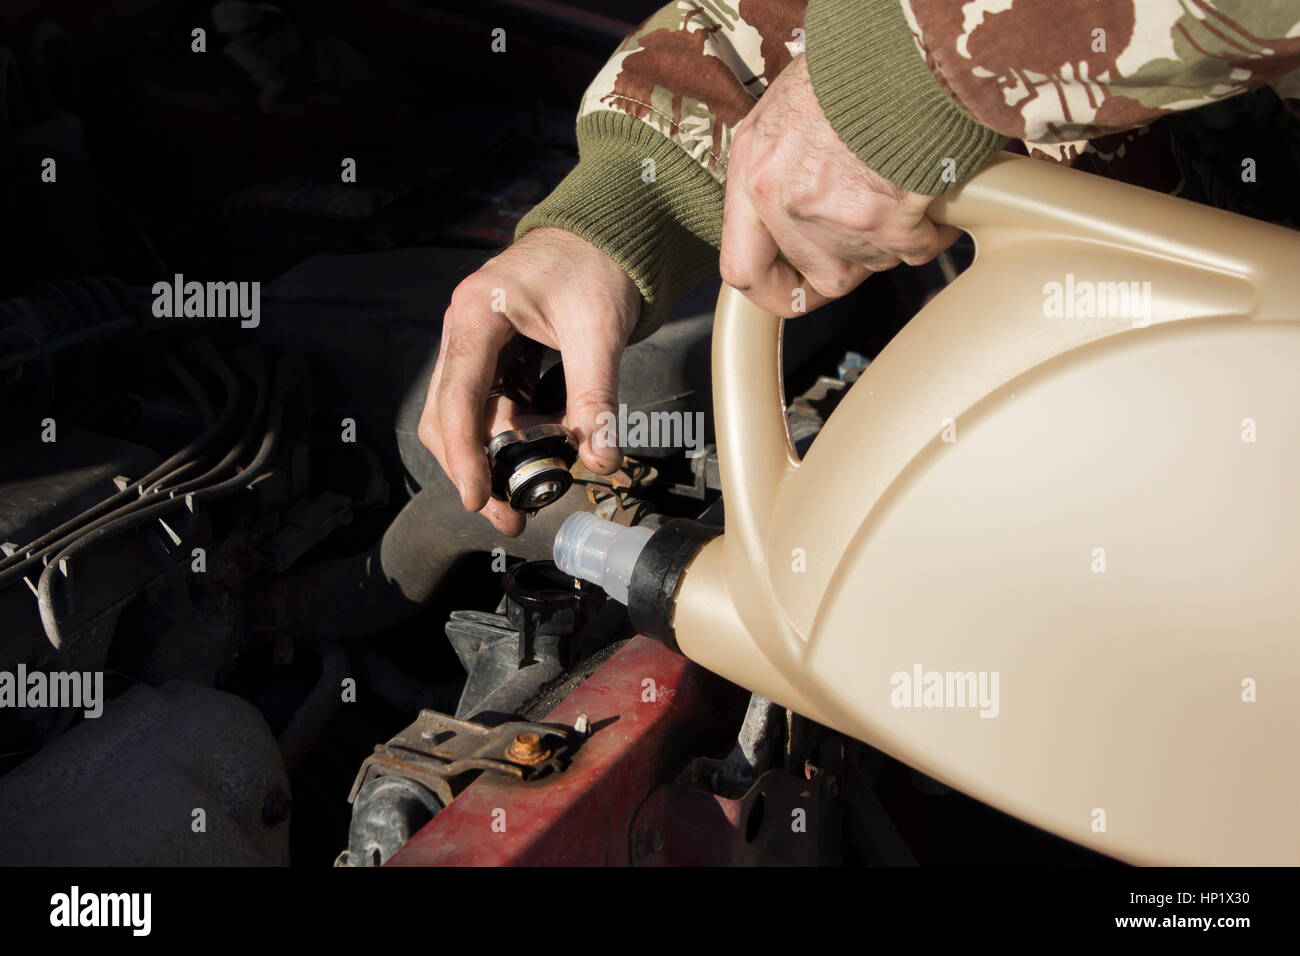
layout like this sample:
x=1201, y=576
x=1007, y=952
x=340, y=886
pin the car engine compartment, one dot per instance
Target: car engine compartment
x=222, y=532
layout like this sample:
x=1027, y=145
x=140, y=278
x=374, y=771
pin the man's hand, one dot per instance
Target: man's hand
x=802, y=211
x=554, y=288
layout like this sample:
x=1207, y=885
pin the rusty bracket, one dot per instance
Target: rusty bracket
x=440, y=752
x=619, y=488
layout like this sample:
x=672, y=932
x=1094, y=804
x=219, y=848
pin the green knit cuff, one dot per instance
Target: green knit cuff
x=879, y=95
x=662, y=229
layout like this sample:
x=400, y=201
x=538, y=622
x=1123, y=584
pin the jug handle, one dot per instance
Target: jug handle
x=756, y=455
x=1213, y=263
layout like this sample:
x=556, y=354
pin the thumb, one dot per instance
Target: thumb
x=591, y=382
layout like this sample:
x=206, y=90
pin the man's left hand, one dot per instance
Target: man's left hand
x=803, y=212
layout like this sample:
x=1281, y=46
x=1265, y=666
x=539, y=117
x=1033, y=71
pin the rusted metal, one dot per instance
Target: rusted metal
x=440, y=752
x=527, y=749
x=648, y=709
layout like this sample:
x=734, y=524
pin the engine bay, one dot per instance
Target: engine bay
x=244, y=619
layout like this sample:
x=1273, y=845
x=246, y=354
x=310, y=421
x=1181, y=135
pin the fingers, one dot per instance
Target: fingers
x=811, y=252
x=460, y=451
x=751, y=262
x=800, y=205
x=502, y=415
x=552, y=287
x=857, y=248
x=947, y=235
x=591, y=348
x=506, y=519
x=923, y=241
x=472, y=335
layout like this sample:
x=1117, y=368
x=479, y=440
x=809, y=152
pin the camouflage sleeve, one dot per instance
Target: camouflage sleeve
x=925, y=91
x=654, y=129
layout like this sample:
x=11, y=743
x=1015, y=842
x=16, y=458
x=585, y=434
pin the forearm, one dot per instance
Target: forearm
x=654, y=130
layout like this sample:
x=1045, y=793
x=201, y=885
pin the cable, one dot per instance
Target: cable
x=289, y=374
x=28, y=557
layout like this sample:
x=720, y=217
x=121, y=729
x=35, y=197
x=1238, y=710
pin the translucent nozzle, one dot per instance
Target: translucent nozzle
x=599, y=551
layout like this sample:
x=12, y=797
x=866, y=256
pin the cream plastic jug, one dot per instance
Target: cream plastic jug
x=1047, y=549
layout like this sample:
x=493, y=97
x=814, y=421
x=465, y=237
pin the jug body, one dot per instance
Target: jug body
x=1047, y=548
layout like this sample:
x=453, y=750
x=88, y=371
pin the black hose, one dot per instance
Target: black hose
x=71, y=312
x=311, y=718
x=390, y=582
x=397, y=688
x=91, y=333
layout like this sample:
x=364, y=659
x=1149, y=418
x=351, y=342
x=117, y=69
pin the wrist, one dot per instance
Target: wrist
x=641, y=200
x=875, y=89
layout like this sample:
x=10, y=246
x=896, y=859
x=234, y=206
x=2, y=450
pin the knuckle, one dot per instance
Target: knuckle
x=918, y=256
x=833, y=286
x=800, y=205
x=594, y=399
x=871, y=257
x=883, y=263
x=735, y=273
x=462, y=295
x=863, y=219
x=764, y=188
x=428, y=434
x=871, y=214
x=802, y=198
x=839, y=286
x=909, y=245
x=471, y=292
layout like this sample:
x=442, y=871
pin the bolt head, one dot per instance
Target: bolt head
x=527, y=748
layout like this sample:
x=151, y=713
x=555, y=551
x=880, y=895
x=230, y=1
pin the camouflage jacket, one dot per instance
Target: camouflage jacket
x=924, y=91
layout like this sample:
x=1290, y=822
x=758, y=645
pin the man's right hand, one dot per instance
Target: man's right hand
x=556, y=289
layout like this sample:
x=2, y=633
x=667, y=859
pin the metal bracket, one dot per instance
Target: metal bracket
x=440, y=752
